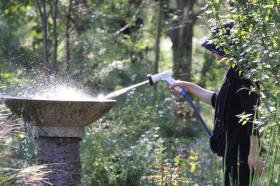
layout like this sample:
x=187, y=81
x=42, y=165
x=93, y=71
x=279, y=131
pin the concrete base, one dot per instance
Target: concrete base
x=75, y=132
x=63, y=157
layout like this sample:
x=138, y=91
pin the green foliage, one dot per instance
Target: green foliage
x=13, y=168
x=121, y=152
x=126, y=147
x=136, y=144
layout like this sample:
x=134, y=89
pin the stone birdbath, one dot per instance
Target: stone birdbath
x=58, y=127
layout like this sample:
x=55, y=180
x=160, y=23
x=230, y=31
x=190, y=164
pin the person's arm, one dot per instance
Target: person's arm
x=201, y=93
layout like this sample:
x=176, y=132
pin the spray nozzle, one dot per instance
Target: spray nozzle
x=166, y=76
x=160, y=76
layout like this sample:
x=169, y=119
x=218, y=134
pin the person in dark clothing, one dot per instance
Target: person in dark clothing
x=237, y=142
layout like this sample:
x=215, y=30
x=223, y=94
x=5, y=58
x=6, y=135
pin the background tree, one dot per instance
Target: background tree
x=44, y=17
x=181, y=34
x=54, y=13
x=157, y=40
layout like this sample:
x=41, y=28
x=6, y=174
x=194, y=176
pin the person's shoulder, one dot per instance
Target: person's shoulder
x=237, y=72
x=232, y=72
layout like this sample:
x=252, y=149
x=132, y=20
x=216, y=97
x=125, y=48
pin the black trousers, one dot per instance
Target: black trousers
x=236, y=168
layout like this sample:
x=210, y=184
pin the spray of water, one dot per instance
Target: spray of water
x=52, y=90
x=124, y=90
x=62, y=91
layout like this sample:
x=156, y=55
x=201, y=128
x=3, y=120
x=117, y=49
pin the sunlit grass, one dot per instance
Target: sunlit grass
x=16, y=176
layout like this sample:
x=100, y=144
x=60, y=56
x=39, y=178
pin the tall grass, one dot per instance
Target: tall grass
x=31, y=175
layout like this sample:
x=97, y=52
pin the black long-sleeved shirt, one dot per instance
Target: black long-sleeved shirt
x=232, y=99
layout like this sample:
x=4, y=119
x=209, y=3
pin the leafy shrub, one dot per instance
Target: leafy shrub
x=254, y=47
x=135, y=144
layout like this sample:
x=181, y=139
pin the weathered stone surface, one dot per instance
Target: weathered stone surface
x=77, y=132
x=56, y=113
x=58, y=127
x=63, y=156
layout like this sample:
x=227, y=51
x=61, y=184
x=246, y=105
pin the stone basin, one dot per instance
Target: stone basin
x=59, y=117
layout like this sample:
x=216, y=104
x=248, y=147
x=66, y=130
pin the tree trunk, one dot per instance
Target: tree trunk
x=185, y=44
x=43, y=14
x=181, y=35
x=158, y=35
x=67, y=35
x=55, y=39
x=157, y=43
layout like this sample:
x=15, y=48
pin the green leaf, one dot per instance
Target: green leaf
x=21, y=135
x=239, y=72
x=177, y=160
x=244, y=122
x=193, y=167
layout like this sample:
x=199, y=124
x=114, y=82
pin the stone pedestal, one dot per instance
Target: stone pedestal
x=58, y=127
x=63, y=157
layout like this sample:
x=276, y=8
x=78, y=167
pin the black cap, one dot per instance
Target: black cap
x=209, y=43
